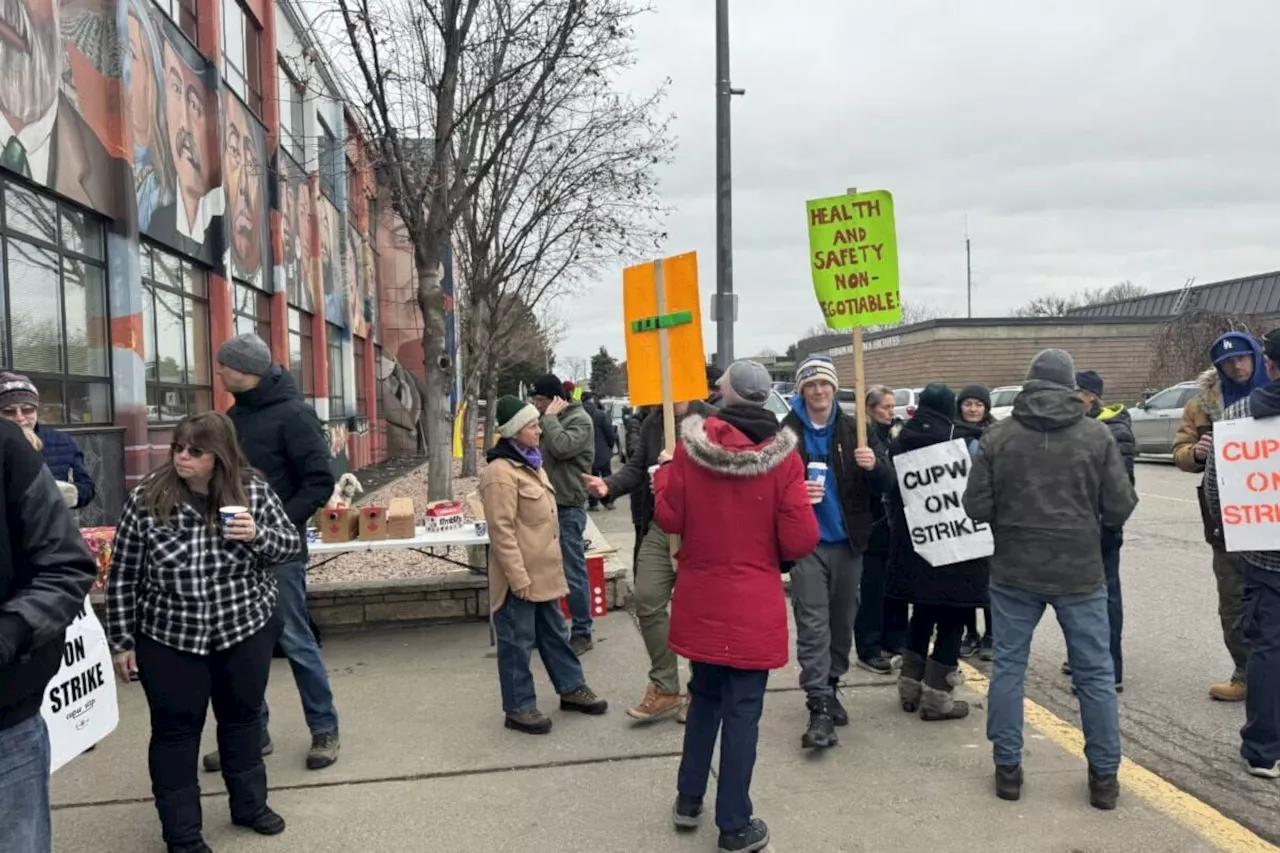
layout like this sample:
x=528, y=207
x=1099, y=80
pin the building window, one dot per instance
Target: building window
x=330, y=161
x=183, y=13
x=251, y=311
x=353, y=192
x=359, y=349
x=301, y=354
x=242, y=53
x=292, y=123
x=337, y=392
x=56, y=329
x=175, y=326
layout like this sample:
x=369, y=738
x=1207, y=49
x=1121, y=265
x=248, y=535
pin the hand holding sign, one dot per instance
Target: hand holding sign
x=865, y=458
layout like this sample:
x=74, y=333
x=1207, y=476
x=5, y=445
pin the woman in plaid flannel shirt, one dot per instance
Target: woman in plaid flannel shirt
x=191, y=612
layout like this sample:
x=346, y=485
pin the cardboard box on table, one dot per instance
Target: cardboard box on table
x=400, y=521
x=373, y=523
x=338, y=524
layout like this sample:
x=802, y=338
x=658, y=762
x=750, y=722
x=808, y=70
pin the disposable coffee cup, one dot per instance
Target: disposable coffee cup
x=229, y=512
x=817, y=472
x=482, y=529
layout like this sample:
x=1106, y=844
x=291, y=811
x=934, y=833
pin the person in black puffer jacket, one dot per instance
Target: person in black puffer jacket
x=974, y=409
x=1089, y=388
x=942, y=596
x=606, y=442
x=880, y=628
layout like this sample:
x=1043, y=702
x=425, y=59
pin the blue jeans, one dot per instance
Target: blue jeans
x=24, y=787
x=521, y=626
x=1260, y=737
x=729, y=702
x=300, y=647
x=1115, y=608
x=1085, y=625
x=573, y=552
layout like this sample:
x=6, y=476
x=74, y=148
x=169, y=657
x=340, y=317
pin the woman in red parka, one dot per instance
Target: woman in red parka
x=735, y=494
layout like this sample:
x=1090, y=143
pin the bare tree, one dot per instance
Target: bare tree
x=1059, y=306
x=432, y=74
x=1180, y=347
x=1048, y=306
x=573, y=189
x=912, y=313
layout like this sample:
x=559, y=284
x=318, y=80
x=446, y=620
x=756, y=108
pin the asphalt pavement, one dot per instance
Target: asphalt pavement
x=427, y=766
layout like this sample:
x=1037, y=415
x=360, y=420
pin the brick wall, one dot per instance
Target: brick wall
x=998, y=352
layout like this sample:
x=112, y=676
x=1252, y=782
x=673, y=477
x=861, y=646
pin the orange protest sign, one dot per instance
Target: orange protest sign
x=657, y=306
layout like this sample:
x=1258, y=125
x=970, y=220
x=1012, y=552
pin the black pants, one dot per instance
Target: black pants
x=949, y=622
x=881, y=624
x=179, y=687
x=971, y=624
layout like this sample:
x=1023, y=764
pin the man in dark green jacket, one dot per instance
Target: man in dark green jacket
x=568, y=452
x=1048, y=480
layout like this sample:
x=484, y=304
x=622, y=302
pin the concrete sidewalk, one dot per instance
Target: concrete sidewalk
x=427, y=765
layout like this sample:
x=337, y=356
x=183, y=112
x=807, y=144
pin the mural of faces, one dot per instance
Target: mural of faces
x=30, y=60
x=336, y=302
x=307, y=248
x=152, y=166
x=245, y=147
x=295, y=238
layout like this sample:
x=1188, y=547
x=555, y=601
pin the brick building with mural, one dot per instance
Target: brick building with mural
x=174, y=172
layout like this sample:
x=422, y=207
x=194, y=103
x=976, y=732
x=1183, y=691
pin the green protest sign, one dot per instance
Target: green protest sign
x=853, y=251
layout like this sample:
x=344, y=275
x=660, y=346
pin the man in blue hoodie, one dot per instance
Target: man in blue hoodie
x=1238, y=368
x=1260, y=737
x=824, y=585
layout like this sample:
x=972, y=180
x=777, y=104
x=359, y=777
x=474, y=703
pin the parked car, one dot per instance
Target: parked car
x=1156, y=419
x=617, y=409
x=1002, y=400
x=905, y=401
x=777, y=404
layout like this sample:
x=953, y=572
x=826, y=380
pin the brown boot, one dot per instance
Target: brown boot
x=1234, y=690
x=682, y=716
x=655, y=705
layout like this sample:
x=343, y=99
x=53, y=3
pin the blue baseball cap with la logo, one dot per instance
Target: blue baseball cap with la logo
x=1232, y=344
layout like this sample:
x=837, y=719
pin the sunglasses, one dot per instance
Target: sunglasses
x=14, y=411
x=193, y=452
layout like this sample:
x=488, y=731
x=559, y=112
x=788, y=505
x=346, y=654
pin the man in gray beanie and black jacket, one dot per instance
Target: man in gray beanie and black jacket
x=1048, y=480
x=283, y=438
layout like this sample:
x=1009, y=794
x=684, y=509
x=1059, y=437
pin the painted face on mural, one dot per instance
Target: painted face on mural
x=188, y=125
x=142, y=90
x=289, y=222
x=30, y=60
x=244, y=172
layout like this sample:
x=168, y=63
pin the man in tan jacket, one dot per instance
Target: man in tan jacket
x=526, y=575
x=1237, y=369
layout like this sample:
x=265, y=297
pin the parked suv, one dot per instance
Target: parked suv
x=1002, y=400
x=1156, y=419
x=905, y=401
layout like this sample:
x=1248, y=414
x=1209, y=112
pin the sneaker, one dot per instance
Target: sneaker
x=968, y=647
x=213, y=761
x=584, y=701
x=687, y=812
x=879, y=663
x=655, y=705
x=530, y=722
x=755, y=837
x=1104, y=790
x=682, y=716
x=324, y=750
x=1234, y=690
x=839, y=715
x=1009, y=781
x=267, y=823
x=581, y=644
x=1272, y=772
x=987, y=651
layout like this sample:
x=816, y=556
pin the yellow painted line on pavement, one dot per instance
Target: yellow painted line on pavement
x=1220, y=830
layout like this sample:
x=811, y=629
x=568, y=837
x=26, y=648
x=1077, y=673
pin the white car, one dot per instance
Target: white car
x=1002, y=400
x=905, y=401
x=778, y=404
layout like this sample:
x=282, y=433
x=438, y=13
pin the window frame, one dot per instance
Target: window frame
x=64, y=377
x=337, y=387
x=299, y=329
x=296, y=104
x=188, y=15
x=245, y=81
x=152, y=382
x=261, y=316
x=327, y=160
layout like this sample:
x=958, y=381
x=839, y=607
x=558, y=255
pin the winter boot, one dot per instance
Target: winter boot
x=822, y=728
x=839, y=715
x=1009, y=781
x=909, y=681
x=1104, y=790
x=937, y=700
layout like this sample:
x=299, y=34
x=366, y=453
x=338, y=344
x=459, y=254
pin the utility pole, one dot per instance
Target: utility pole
x=968, y=267
x=724, y=310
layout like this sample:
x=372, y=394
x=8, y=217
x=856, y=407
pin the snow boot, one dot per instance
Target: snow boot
x=937, y=693
x=909, y=681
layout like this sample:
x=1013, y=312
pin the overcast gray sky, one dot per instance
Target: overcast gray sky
x=1088, y=143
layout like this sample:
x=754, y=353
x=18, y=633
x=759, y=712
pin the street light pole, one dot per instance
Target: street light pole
x=724, y=310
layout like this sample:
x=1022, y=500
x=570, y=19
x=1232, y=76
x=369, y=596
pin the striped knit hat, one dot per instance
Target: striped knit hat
x=816, y=368
x=16, y=390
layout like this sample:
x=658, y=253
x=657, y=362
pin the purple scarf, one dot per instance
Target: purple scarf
x=532, y=457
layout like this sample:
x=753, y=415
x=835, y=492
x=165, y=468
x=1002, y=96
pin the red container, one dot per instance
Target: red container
x=599, y=591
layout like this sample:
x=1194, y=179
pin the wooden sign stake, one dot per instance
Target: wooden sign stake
x=664, y=368
x=859, y=377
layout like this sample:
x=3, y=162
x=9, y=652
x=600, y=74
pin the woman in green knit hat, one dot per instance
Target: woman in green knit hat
x=526, y=575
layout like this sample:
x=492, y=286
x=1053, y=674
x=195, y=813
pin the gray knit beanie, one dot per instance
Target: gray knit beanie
x=246, y=353
x=1053, y=365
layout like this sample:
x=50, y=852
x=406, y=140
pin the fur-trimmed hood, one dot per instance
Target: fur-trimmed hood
x=716, y=445
x=1209, y=387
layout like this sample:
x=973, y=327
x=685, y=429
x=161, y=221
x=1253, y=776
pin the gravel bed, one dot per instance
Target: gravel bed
x=393, y=565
